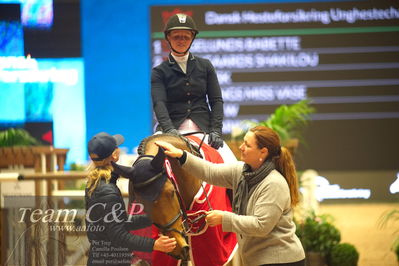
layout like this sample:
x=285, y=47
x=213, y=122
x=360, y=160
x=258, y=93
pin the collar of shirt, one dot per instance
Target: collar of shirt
x=182, y=61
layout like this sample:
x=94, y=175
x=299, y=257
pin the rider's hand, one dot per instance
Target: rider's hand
x=215, y=140
x=214, y=217
x=173, y=131
x=165, y=244
x=170, y=150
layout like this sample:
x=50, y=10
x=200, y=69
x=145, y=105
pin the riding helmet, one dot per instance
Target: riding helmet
x=180, y=22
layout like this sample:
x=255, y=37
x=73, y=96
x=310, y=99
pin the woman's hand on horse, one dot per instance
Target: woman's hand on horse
x=165, y=244
x=214, y=217
x=170, y=150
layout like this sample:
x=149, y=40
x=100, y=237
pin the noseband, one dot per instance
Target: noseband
x=189, y=221
x=182, y=213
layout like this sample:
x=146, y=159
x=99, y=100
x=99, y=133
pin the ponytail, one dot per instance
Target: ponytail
x=97, y=172
x=285, y=165
x=266, y=137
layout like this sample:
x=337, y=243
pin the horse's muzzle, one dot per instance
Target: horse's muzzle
x=185, y=254
x=181, y=253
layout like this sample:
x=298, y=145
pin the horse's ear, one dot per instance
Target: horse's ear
x=159, y=159
x=124, y=171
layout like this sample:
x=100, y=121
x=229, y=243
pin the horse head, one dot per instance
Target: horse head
x=159, y=196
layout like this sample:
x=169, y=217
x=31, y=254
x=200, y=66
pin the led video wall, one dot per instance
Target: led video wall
x=343, y=56
x=41, y=74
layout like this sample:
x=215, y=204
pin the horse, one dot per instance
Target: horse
x=168, y=199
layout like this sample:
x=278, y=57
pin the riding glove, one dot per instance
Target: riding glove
x=173, y=131
x=215, y=140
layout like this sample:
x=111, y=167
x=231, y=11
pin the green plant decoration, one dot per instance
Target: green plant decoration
x=17, y=137
x=318, y=234
x=343, y=254
x=288, y=120
x=393, y=217
x=77, y=167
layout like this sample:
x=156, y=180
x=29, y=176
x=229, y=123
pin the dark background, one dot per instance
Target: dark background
x=337, y=143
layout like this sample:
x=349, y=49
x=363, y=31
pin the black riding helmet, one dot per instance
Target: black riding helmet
x=180, y=22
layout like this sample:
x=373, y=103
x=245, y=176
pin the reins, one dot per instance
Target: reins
x=171, y=176
x=198, y=150
x=168, y=226
x=189, y=220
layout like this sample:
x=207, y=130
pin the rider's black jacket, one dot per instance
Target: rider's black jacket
x=195, y=94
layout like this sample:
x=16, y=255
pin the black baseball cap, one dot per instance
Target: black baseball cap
x=103, y=145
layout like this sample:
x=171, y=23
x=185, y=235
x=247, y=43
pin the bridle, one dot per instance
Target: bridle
x=188, y=222
x=168, y=226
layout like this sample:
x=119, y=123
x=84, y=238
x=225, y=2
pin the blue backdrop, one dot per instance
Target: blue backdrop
x=116, y=51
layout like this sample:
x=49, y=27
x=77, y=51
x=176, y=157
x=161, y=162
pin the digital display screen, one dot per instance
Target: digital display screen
x=46, y=90
x=42, y=75
x=34, y=13
x=11, y=42
x=343, y=56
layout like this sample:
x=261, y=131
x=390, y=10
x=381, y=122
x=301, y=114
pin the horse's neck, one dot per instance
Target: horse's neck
x=188, y=184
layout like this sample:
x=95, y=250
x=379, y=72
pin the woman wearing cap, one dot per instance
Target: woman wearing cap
x=107, y=223
x=265, y=189
x=185, y=91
